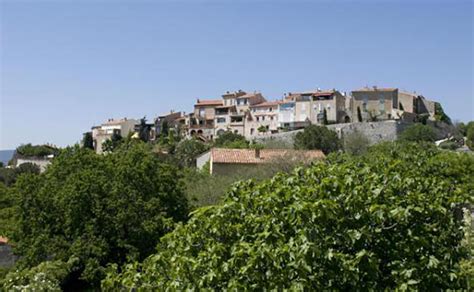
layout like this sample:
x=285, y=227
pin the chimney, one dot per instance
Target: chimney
x=257, y=153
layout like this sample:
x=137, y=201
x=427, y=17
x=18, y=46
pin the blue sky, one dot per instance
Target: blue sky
x=68, y=65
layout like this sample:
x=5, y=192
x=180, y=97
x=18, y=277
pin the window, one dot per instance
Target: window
x=271, y=109
x=381, y=104
x=220, y=120
x=258, y=119
x=263, y=118
x=271, y=118
x=252, y=130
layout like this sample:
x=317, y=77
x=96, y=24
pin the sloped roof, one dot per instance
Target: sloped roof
x=248, y=156
x=266, y=104
x=209, y=102
x=3, y=240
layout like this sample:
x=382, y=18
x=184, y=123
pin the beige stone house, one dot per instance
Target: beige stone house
x=312, y=104
x=227, y=161
x=262, y=119
x=104, y=132
x=389, y=103
x=201, y=121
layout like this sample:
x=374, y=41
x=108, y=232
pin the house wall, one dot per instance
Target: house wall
x=378, y=102
x=202, y=159
x=302, y=111
x=374, y=131
x=408, y=101
x=231, y=168
x=41, y=163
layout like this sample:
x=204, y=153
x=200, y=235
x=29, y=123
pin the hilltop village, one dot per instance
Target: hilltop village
x=251, y=115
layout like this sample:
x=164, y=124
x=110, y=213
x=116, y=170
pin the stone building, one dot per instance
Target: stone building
x=104, y=132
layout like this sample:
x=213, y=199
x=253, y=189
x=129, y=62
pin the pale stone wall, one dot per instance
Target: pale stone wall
x=42, y=163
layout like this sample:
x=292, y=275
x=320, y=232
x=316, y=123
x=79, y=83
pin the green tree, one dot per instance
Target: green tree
x=262, y=129
x=418, y=133
x=144, y=130
x=87, y=141
x=187, y=150
x=372, y=222
x=30, y=150
x=98, y=209
x=164, y=128
x=356, y=143
x=113, y=143
x=229, y=139
x=317, y=137
x=440, y=115
x=470, y=135
x=359, y=115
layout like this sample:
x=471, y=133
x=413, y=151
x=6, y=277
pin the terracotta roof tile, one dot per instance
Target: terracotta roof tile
x=208, y=102
x=248, y=156
x=3, y=240
x=266, y=104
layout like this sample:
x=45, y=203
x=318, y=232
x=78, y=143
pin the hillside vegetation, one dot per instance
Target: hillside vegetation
x=390, y=219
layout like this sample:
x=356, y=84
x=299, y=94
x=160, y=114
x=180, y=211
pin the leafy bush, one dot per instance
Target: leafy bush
x=187, y=151
x=356, y=143
x=36, y=150
x=440, y=115
x=449, y=145
x=97, y=208
x=386, y=220
x=8, y=176
x=470, y=135
x=47, y=276
x=229, y=139
x=317, y=137
x=418, y=133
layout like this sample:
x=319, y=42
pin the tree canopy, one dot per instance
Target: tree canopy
x=317, y=137
x=229, y=139
x=418, y=133
x=96, y=209
x=389, y=219
x=36, y=150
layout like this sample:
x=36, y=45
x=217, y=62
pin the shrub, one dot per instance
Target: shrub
x=187, y=151
x=36, y=150
x=47, y=276
x=99, y=209
x=317, y=137
x=418, y=133
x=470, y=135
x=449, y=145
x=373, y=222
x=229, y=139
x=356, y=143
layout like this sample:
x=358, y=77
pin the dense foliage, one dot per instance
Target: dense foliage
x=87, y=140
x=470, y=135
x=317, y=137
x=8, y=176
x=356, y=143
x=47, y=276
x=440, y=115
x=387, y=220
x=36, y=150
x=96, y=209
x=187, y=150
x=418, y=133
x=229, y=139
